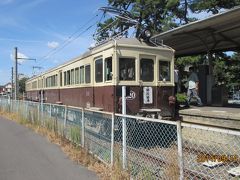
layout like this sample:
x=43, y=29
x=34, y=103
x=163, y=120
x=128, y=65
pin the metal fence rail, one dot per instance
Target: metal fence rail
x=148, y=148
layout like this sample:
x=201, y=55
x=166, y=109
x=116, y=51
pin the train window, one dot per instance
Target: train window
x=99, y=70
x=164, y=71
x=81, y=74
x=147, y=70
x=127, y=69
x=60, y=78
x=87, y=74
x=72, y=76
x=65, y=78
x=68, y=78
x=51, y=81
x=56, y=80
x=108, y=69
x=77, y=76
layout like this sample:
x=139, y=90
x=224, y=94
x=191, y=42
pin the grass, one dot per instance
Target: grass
x=75, y=134
x=56, y=134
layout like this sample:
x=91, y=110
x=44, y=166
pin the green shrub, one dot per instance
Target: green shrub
x=181, y=98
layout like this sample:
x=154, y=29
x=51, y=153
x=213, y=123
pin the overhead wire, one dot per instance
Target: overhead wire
x=105, y=27
x=75, y=35
x=68, y=42
x=70, y=39
x=99, y=23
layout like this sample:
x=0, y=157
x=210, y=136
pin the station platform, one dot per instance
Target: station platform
x=225, y=117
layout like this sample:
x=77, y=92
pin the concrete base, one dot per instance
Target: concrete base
x=214, y=116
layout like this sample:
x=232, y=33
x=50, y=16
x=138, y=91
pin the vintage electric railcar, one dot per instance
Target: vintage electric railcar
x=94, y=80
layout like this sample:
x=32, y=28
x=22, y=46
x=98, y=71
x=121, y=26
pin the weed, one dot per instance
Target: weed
x=54, y=131
x=75, y=134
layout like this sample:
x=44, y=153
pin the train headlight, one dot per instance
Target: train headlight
x=147, y=33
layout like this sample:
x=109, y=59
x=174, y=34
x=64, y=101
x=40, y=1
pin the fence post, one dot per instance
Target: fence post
x=50, y=113
x=26, y=109
x=65, y=120
x=83, y=128
x=180, y=152
x=124, y=128
x=42, y=119
x=38, y=111
x=112, y=140
x=17, y=106
x=9, y=104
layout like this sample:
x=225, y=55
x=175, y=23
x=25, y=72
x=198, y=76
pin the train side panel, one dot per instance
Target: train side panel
x=160, y=100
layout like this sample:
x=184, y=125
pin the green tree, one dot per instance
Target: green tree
x=213, y=6
x=155, y=15
x=220, y=68
x=162, y=15
x=226, y=69
x=158, y=15
x=22, y=84
x=233, y=70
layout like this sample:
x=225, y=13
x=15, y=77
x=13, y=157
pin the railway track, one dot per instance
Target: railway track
x=158, y=160
x=144, y=160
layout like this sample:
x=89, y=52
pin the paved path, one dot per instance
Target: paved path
x=25, y=155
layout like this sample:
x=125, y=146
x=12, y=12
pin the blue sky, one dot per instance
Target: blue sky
x=36, y=27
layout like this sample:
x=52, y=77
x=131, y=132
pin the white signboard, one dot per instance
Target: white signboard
x=147, y=95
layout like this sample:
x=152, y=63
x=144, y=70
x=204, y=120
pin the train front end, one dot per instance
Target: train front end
x=147, y=72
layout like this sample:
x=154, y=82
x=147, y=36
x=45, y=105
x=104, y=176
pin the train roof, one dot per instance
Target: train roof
x=123, y=42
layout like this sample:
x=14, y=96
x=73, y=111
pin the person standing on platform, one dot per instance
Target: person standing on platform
x=192, y=91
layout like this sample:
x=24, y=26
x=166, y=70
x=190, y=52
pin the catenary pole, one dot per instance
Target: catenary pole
x=16, y=71
x=16, y=75
x=12, y=77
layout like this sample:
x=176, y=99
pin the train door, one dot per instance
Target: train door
x=147, y=89
x=60, y=83
x=98, y=73
x=41, y=95
x=89, y=98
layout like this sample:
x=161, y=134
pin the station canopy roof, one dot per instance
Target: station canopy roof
x=219, y=32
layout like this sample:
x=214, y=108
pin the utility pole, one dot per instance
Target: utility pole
x=12, y=84
x=16, y=75
x=16, y=72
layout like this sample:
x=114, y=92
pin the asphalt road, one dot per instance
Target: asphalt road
x=25, y=155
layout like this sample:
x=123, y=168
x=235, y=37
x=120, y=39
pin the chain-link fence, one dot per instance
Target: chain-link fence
x=210, y=153
x=148, y=148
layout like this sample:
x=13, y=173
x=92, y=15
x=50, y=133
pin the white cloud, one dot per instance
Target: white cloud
x=53, y=44
x=19, y=55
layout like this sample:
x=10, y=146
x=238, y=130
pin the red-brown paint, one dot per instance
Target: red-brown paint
x=103, y=97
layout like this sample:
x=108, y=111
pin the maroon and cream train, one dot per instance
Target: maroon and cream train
x=94, y=80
